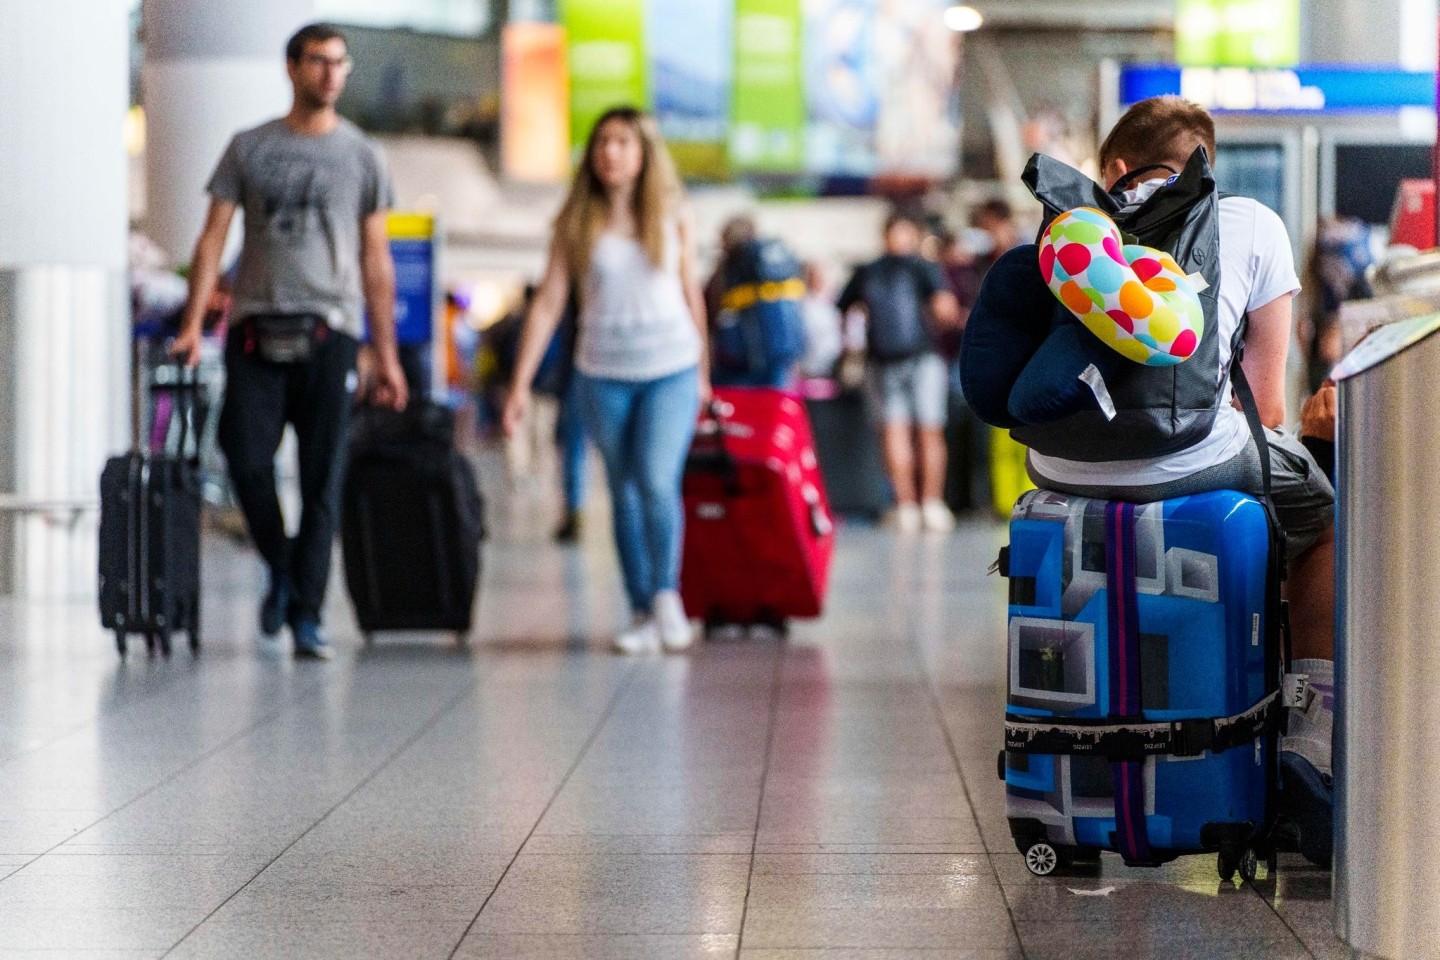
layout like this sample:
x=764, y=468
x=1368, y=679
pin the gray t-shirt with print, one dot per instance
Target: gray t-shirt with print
x=304, y=199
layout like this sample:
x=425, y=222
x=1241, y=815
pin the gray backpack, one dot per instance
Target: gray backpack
x=1159, y=410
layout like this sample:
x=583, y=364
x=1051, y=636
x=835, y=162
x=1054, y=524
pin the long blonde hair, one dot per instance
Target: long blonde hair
x=656, y=197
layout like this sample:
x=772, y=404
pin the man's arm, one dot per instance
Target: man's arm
x=377, y=274
x=1267, y=343
x=204, y=276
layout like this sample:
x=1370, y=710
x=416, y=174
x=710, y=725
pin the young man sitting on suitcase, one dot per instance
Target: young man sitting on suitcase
x=1147, y=150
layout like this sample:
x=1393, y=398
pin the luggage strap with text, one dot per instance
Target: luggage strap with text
x=1137, y=740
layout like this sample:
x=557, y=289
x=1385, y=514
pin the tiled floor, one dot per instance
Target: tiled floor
x=832, y=798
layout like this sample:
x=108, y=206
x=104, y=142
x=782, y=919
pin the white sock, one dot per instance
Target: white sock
x=1311, y=724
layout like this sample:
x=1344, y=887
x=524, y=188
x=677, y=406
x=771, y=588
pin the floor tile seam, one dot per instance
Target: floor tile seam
x=168, y=683
x=1270, y=903
x=620, y=690
x=933, y=697
x=467, y=689
x=777, y=686
x=184, y=768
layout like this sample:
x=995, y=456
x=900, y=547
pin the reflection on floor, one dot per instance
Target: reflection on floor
x=534, y=796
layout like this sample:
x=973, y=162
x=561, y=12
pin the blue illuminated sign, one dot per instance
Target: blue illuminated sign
x=414, y=289
x=1328, y=89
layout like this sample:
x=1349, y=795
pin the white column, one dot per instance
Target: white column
x=64, y=320
x=212, y=67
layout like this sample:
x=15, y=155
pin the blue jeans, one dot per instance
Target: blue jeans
x=643, y=430
x=570, y=438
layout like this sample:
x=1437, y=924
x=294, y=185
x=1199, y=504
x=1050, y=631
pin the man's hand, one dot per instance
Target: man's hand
x=1317, y=417
x=516, y=406
x=186, y=346
x=706, y=390
x=390, y=389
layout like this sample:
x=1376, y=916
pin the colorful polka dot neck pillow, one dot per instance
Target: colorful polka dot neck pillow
x=1136, y=299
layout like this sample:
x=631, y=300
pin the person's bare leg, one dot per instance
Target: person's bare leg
x=900, y=461
x=1307, y=797
x=1312, y=601
x=932, y=463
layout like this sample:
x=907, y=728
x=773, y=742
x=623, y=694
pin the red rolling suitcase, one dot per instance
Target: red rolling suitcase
x=758, y=530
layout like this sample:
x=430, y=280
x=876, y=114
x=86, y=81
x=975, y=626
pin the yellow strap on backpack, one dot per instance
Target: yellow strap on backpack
x=748, y=294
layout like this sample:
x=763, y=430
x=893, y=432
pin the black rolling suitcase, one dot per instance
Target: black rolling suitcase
x=411, y=523
x=848, y=448
x=150, y=540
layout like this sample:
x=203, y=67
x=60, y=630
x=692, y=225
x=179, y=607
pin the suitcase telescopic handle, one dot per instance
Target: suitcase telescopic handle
x=184, y=390
x=708, y=451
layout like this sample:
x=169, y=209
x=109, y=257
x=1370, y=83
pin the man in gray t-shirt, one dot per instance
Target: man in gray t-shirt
x=314, y=192
x=304, y=198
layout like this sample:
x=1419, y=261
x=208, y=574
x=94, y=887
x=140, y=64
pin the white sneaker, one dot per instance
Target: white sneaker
x=671, y=622
x=904, y=518
x=642, y=637
x=937, y=517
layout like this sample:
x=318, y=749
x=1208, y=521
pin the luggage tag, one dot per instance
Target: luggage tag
x=1295, y=691
x=1200, y=282
x=1092, y=378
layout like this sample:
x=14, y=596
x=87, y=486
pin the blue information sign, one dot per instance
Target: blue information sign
x=1327, y=89
x=414, y=290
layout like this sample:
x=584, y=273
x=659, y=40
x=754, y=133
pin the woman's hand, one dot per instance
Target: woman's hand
x=706, y=391
x=516, y=406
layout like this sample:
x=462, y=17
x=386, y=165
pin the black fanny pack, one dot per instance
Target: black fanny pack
x=283, y=337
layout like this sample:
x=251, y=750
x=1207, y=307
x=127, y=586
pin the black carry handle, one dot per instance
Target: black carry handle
x=708, y=452
x=185, y=389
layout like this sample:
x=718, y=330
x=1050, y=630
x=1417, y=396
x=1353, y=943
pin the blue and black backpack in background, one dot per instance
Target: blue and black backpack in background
x=760, y=328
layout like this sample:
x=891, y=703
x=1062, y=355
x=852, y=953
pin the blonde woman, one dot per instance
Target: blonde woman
x=625, y=241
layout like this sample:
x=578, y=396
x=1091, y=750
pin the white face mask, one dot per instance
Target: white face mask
x=976, y=242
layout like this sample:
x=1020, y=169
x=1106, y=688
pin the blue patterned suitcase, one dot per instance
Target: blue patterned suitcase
x=1144, y=660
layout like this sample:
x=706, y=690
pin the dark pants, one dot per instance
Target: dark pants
x=314, y=397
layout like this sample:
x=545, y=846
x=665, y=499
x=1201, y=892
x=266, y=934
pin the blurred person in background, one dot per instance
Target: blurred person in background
x=754, y=302
x=734, y=234
x=1335, y=273
x=997, y=461
x=569, y=425
x=907, y=304
x=316, y=258
x=625, y=241
x=824, y=339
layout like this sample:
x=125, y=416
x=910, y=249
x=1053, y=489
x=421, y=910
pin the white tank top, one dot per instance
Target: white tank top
x=634, y=321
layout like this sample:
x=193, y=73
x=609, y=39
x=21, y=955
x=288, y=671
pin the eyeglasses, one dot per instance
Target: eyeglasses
x=318, y=62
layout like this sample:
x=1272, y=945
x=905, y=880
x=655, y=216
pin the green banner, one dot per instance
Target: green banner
x=1237, y=33
x=767, y=128
x=606, y=47
x=1260, y=33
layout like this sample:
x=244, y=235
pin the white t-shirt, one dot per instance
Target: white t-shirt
x=1256, y=267
x=634, y=322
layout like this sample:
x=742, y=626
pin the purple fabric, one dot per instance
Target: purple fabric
x=1131, y=835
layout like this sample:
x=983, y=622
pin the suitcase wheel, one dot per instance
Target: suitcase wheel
x=121, y=642
x=1244, y=860
x=1041, y=858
